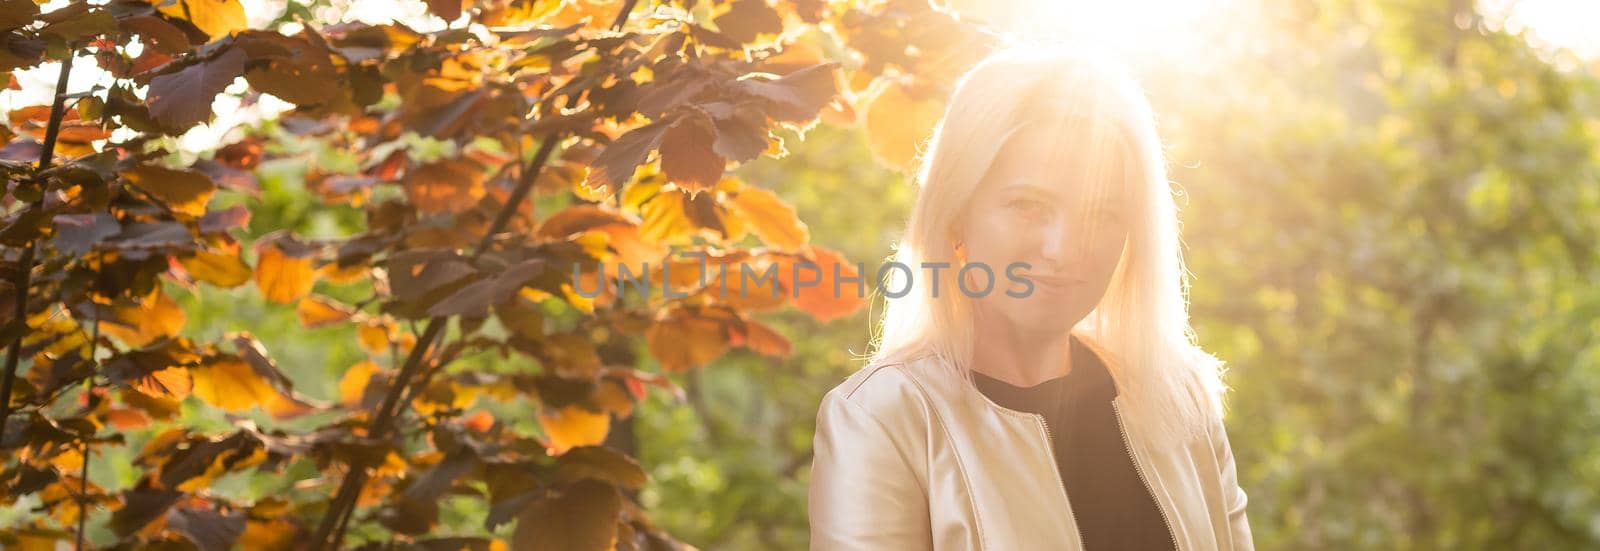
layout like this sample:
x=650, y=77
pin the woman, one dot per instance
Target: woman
x=1071, y=411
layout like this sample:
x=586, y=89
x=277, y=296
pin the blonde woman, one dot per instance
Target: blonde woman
x=1039, y=386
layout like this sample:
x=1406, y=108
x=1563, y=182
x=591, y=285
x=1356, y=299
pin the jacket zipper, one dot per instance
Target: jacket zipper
x=1137, y=468
x=1060, y=484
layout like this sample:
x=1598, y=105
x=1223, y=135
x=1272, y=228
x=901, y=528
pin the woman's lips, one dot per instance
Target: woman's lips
x=1054, y=283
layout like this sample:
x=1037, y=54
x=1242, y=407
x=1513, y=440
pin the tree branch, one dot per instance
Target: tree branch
x=25, y=264
x=330, y=532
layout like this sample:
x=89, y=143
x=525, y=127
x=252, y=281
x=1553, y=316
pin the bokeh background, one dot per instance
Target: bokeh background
x=1390, y=211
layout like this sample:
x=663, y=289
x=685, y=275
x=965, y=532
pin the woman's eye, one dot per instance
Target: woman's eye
x=1027, y=206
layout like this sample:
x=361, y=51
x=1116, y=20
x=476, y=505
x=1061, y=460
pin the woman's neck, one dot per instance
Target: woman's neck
x=1020, y=358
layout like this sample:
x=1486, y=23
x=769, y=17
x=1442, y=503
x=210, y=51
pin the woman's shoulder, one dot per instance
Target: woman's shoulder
x=887, y=389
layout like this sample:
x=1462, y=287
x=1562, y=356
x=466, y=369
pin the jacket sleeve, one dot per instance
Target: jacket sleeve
x=864, y=493
x=1234, y=498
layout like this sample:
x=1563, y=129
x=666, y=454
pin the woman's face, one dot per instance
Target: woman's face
x=1059, y=205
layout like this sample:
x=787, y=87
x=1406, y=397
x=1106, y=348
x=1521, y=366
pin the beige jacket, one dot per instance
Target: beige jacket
x=904, y=460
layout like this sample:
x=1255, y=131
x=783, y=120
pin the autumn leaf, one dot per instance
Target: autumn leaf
x=747, y=19
x=184, y=191
x=578, y=219
x=571, y=426
x=898, y=122
x=448, y=10
x=171, y=382
x=182, y=98
x=600, y=463
x=157, y=33
x=687, y=156
x=760, y=338
x=682, y=339
x=293, y=68
x=771, y=219
x=319, y=311
x=225, y=270
x=798, y=96
x=216, y=18
x=353, y=384
x=796, y=275
x=153, y=317
x=283, y=271
x=616, y=164
x=448, y=186
x=232, y=384
x=76, y=234
x=583, y=517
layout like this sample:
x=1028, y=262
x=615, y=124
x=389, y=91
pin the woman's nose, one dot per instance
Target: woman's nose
x=1056, y=243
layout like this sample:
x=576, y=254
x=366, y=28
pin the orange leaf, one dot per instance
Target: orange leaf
x=353, y=385
x=231, y=384
x=374, y=336
x=267, y=535
x=614, y=397
x=173, y=382
x=127, y=418
x=481, y=421
x=155, y=317
x=761, y=339
x=448, y=186
x=283, y=278
x=897, y=122
x=682, y=339
x=573, y=426
x=771, y=219
x=820, y=300
x=221, y=269
x=319, y=311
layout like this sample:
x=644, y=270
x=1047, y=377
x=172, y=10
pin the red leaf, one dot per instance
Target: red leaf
x=798, y=96
x=182, y=99
x=448, y=10
x=615, y=165
x=687, y=155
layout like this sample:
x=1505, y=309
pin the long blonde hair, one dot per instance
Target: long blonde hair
x=1170, y=384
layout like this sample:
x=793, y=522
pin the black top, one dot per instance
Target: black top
x=1111, y=504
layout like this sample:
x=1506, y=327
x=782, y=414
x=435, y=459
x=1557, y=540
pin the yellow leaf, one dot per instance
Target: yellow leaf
x=231, y=384
x=771, y=219
x=353, y=385
x=172, y=382
x=664, y=219
x=220, y=269
x=216, y=18
x=573, y=426
x=318, y=311
x=374, y=334
x=155, y=317
x=282, y=278
x=897, y=123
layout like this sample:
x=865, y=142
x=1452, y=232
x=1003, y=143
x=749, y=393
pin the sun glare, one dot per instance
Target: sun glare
x=1129, y=27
